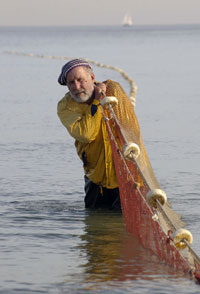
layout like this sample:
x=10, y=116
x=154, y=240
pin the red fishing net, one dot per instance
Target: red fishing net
x=136, y=178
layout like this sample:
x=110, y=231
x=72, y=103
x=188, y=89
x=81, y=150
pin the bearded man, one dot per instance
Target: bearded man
x=80, y=112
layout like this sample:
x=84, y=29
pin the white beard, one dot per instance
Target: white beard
x=83, y=97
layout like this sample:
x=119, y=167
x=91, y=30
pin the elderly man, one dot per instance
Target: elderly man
x=80, y=113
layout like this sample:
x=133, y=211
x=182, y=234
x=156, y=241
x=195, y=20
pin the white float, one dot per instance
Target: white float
x=131, y=151
x=156, y=195
x=179, y=236
x=109, y=100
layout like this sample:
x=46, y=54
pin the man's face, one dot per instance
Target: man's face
x=80, y=82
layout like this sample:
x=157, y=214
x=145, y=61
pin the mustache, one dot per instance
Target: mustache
x=80, y=92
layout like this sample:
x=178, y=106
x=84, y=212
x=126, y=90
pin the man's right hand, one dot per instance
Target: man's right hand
x=100, y=91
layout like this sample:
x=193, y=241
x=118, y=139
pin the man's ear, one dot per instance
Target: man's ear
x=92, y=76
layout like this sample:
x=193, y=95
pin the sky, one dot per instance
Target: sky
x=97, y=12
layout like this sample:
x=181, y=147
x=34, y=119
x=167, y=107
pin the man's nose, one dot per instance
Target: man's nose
x=77, y=85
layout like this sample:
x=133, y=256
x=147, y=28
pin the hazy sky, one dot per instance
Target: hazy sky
x=98, y=12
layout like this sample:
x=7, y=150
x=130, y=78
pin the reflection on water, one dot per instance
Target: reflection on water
x=112, y=254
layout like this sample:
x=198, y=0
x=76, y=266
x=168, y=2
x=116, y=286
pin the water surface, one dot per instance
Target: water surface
x=49, y=243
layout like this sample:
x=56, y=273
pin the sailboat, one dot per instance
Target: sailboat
x=127, y=22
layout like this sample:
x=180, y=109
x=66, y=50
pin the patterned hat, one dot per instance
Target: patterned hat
x=69, y=66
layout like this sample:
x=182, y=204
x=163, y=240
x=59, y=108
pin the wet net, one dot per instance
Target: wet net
x=136, y=178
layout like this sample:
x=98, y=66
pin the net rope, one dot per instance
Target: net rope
x=132, y=84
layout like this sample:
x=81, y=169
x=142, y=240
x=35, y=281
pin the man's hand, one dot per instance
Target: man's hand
x=100, y=91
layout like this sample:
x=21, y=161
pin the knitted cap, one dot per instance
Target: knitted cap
x=69, y=66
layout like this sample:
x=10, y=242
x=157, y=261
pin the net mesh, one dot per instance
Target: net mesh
x=135, y=179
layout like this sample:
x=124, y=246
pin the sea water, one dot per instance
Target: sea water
x=49, y=243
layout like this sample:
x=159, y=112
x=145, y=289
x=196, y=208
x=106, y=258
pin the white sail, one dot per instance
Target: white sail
x=127, y=20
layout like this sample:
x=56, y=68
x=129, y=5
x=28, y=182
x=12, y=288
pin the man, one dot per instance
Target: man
x=80, y=113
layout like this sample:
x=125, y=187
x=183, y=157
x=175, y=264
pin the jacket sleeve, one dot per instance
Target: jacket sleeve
x=83, y=127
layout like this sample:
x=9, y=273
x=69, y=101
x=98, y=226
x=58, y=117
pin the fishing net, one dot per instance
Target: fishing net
x=135, y=179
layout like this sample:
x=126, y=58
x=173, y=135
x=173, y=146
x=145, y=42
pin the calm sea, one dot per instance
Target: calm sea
x=48, y=242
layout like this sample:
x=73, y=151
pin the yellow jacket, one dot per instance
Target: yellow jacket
x=86, y=125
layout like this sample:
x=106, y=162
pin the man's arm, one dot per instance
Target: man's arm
x=82, y=127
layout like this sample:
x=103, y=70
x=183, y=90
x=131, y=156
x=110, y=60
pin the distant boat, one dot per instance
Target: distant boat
x=127, y=22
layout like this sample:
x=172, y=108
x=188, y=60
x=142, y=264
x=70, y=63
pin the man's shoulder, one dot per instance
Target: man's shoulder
x=65, y=99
